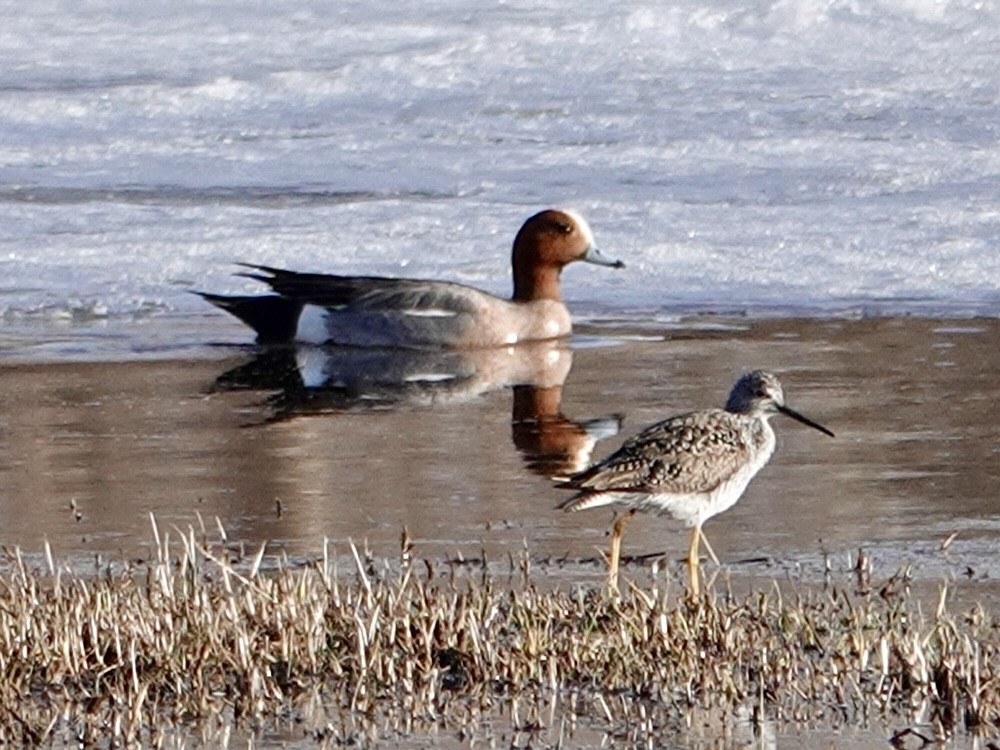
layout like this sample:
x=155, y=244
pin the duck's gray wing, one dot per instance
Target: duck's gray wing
x=361, y=293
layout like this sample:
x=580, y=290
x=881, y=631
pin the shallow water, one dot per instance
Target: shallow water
x=443, y=448
x=705, y=731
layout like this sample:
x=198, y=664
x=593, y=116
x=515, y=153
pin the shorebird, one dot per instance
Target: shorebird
x=690, y=467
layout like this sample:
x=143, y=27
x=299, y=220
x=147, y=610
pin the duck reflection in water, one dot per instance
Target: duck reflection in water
x=311, y=380
x=550, y=443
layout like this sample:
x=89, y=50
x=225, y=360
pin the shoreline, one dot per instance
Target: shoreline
x=52, y=339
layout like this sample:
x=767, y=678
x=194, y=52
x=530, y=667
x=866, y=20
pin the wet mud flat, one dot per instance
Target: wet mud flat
x=288, y=450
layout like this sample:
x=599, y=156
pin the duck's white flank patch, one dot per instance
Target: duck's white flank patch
x=431, y=312
x=581, y=222
x=312, y=328
x=429, y=377
x=312, y=366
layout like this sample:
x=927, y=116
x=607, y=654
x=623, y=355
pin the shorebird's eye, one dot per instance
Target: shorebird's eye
x=563, y=227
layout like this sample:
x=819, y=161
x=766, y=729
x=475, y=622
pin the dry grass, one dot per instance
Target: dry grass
x=100, y=660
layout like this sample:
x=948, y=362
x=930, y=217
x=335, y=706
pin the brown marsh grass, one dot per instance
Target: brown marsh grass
x=132, y=653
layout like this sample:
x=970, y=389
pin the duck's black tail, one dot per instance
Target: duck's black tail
x=274, y=318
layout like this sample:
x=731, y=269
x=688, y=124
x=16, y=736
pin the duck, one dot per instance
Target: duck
x=382, y=311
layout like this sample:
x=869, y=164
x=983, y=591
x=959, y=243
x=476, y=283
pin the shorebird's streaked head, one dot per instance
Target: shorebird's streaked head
x=760, y=393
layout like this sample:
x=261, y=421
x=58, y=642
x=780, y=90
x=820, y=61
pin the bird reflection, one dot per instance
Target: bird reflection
x=551, y=444
x=312, y=380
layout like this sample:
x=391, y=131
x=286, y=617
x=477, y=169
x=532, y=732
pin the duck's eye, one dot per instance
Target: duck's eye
x=563, y=227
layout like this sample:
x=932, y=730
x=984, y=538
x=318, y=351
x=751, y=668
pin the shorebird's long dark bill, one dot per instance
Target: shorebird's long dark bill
x=804, y=420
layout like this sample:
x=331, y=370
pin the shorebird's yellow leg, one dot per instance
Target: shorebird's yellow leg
x=708, y=548
x=693, y=562
x=616, y=547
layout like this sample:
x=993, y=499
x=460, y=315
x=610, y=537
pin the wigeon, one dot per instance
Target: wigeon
x=383, y=311
x=690, y=467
